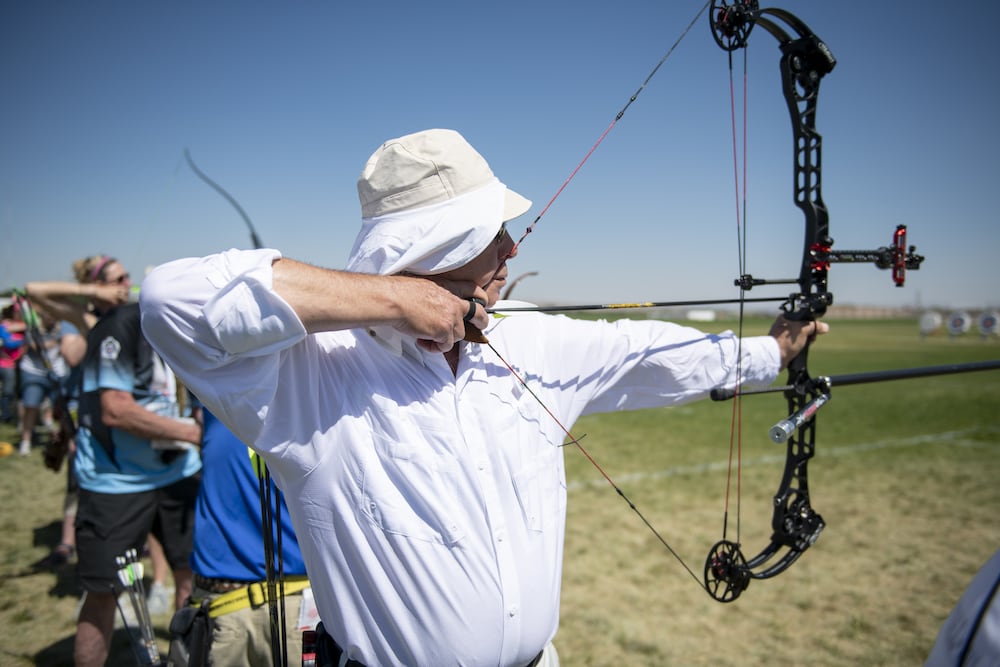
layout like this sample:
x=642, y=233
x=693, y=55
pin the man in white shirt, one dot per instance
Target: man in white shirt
x=425, y=482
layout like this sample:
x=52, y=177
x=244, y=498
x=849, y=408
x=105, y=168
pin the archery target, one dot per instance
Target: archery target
x=988, y=323
x=958, y=323
x=930, y=322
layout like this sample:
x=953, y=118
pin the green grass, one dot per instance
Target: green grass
x=905, y=475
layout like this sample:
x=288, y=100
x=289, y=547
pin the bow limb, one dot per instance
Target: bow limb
x=228, y=197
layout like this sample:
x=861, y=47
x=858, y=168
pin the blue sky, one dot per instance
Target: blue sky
x=282, y=103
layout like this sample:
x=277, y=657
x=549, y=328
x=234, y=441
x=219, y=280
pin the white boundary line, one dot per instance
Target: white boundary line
x=950, y=437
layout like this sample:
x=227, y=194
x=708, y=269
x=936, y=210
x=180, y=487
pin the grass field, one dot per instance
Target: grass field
x=905, y=475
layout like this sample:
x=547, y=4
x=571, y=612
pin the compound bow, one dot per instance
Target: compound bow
x=796, y=525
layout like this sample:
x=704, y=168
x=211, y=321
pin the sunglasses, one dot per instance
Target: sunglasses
x=499, y=237
x=120, y=280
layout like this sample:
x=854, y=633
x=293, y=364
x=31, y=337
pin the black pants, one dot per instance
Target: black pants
x=328, y=652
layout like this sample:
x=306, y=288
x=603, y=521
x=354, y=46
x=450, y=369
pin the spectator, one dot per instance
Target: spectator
x=136, y=475
x=53, y=349
x=970, y=636
x=229, y=563
x=70, y=300
x=12, y=337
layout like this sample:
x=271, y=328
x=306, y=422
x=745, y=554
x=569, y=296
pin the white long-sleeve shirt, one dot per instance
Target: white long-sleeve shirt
x=429, y=506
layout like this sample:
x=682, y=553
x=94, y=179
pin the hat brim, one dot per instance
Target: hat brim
x=514, y=205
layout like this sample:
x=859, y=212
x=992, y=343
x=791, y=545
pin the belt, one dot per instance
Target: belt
x=216, y=586
x=252, y=594
x=328, y=652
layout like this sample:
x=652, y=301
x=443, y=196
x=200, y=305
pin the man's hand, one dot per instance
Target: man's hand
x=56, y=450
x=438, y=310
x=793, y=335
x=112, y=293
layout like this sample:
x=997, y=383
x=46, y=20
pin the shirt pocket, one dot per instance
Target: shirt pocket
x=412, y=485
x=532, y=444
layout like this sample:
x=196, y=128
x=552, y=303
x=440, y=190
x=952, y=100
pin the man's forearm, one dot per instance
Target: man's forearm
x=119, y=410
x=331, y=300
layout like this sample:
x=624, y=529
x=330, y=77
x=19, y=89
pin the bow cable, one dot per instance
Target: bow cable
x=740, y=194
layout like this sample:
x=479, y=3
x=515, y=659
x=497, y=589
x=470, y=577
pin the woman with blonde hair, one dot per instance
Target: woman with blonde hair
x=76, y=302
x=102, y=284
x=137, y=462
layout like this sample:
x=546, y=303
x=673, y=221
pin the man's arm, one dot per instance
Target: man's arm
x=68, y=300
x=119, y=410
x=329, y=300
x=220, y=321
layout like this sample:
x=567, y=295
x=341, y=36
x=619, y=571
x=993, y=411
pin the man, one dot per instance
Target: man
x=230, y=567
x=134, y=472
x=971, y=634
x=426, y=484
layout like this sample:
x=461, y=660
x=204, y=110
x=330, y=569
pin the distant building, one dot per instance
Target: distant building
x=700, y=315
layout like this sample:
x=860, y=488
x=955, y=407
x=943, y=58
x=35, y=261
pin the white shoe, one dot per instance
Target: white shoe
x=25, y=448
x=160, y=599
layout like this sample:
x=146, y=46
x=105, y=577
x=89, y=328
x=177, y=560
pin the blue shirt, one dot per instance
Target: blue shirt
x=112, y=460
x=228, y=537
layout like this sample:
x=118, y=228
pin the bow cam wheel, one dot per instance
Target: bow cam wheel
x=732, y=22
x=726, y=573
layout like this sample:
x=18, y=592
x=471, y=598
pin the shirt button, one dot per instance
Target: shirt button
x=512, y=612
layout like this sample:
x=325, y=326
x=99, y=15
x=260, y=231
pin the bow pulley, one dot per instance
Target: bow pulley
x=732, y=22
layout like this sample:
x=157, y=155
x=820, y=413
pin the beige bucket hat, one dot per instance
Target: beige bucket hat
x=430, y=203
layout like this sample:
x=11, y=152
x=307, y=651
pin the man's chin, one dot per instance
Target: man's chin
x=493, y=293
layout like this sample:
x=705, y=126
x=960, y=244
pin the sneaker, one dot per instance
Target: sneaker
x=160, y=599
x=25, y=449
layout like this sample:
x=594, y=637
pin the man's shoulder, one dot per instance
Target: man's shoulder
x=123, y=317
